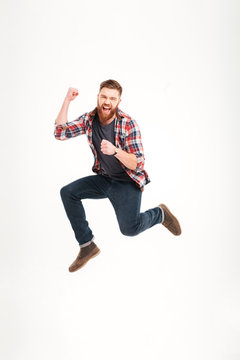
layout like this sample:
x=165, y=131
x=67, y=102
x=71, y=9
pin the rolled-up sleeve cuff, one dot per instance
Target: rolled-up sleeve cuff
x=60, y=126
x=140, y=162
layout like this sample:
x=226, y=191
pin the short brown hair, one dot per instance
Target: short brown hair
x=111, y=84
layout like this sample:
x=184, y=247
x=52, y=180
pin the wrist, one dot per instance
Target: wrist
x=115, y=151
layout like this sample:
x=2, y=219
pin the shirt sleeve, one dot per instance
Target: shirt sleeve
x=70, y=129
x=133, y=144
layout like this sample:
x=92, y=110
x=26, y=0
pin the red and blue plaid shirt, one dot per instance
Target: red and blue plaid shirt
x=127, y=137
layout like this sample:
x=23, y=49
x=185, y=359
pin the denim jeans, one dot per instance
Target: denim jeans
x=124, y=196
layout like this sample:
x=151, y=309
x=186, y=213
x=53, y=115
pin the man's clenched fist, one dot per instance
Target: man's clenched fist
x=71, y=94
x=107, y=147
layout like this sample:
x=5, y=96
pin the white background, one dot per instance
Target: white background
x=154, y=296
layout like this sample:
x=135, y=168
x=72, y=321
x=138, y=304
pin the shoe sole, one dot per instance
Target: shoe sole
x=175, y=219
x=93, y=256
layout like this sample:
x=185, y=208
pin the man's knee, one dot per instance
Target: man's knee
x=65, y=192
x=129, y=229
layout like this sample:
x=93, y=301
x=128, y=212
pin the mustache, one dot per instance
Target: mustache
x=112, y=109
x=104, y=116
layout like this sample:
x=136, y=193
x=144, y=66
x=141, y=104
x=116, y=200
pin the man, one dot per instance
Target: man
x=115, y=140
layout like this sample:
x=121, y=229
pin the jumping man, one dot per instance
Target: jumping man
x=115, y=140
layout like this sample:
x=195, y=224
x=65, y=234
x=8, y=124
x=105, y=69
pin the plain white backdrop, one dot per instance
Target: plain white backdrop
x=154, y=296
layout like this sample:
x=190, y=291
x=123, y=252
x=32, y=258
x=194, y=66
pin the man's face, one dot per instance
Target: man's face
x=107, y=103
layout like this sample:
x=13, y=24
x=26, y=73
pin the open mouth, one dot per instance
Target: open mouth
x=106, y=109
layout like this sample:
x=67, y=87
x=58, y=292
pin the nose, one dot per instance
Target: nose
x=107, y=101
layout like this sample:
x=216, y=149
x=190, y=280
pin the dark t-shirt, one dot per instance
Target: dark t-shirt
x=110, y=166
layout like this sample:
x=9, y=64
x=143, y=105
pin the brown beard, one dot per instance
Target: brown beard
x=105, y=117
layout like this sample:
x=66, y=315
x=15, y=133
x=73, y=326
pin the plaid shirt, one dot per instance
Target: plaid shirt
x=127, y=137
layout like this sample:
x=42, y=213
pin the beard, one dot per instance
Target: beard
x=104, y=117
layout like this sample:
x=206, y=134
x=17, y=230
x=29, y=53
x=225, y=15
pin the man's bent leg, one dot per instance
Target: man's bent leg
x=89, y=187
x=126, y=200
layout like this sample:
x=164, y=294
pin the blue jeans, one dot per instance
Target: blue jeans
x=124, y=196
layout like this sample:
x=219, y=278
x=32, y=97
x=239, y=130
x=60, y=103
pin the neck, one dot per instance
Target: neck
x=106, y=122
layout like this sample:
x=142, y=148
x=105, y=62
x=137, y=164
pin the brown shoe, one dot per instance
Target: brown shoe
x=86, y=253
x=170, y=222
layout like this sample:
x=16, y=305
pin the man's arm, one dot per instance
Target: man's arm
x=133, y=144
x=63, y=129
x=62, y=116
x=132, y=156
x=129, y=160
